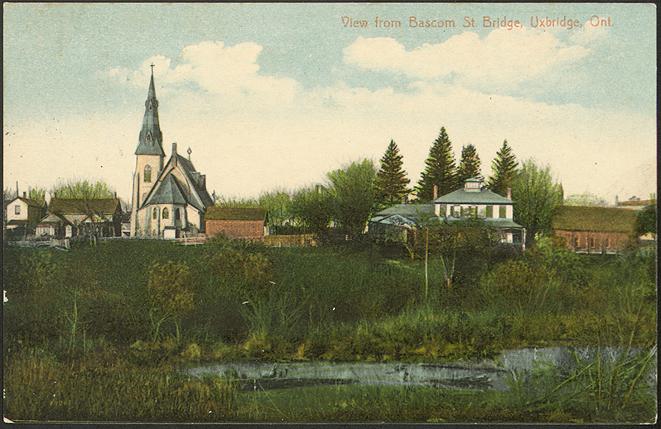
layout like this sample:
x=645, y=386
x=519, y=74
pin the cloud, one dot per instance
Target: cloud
x=251, y=131
x=212, y=67
x=501, y=58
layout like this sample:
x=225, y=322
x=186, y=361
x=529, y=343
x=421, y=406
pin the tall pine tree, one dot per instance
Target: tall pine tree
x=469, y=165
x=391, y=184
x=504, y=170
x=439, y=169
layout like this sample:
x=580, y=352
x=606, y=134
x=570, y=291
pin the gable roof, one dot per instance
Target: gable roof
x=167, y=192
x=197, y=179
x=54, y=218
x=177, y=191
x=605, y=219
x=102, y=206
x=243, y=213
x=28, y=201
x=461, y=196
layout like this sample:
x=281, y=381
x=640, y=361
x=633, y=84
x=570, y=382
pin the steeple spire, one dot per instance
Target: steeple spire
x=151, y=138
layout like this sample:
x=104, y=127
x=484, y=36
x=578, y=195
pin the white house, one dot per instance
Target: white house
x=24, y=213
x=473, y=200
x=476, y=201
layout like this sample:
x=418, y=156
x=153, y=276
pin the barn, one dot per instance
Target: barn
x=595, y=229
x=236, y=223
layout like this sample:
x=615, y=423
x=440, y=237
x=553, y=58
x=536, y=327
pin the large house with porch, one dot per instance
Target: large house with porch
x=170, y=198
x=472, y=201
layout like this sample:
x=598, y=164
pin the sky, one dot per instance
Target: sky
x=275, y=95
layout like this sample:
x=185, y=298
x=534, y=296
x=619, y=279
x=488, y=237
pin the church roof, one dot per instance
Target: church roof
x=198, y=180
x=151, y=138
x=167, y=192
x=173, y=189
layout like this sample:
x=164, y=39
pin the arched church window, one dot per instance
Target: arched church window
x=147, y=174
x=166, y=213
x=154, y=213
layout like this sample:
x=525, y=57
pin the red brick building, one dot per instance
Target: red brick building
x=595, y=229
x=236, y=223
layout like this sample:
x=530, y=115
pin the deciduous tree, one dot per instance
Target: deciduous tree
x=536, y=196
x=352, y=189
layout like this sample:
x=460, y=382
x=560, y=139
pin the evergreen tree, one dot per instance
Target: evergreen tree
x=391, y=185
x=469, y=165
x=504, y=169
x=439, y=169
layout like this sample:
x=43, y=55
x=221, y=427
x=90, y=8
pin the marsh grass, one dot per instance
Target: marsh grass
x=336, y=303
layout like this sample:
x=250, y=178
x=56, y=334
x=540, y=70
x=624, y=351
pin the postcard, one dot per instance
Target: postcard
x=329, y=213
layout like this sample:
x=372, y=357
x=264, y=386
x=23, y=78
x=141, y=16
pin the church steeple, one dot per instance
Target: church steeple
x=151, y=138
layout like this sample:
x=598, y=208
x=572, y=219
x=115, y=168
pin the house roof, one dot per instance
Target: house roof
x=408, y=210
x=461, y=196
x=244, y=213
x=103, y=206
x=29, y=202
x=637, y=203
x=54, y=218
x=605, y=219
x=17, y=222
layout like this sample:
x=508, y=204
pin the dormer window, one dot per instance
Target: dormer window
x=473, y=184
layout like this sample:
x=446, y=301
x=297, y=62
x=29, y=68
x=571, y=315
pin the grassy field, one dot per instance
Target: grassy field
x=126, y=313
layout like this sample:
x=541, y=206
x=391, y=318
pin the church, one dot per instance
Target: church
x=169, y=199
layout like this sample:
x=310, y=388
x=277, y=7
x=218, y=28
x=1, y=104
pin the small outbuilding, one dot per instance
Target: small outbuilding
x=236, y=223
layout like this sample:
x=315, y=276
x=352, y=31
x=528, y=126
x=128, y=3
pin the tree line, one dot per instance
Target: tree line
x=349, y=196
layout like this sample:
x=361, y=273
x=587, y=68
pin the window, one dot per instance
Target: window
x=575, y=240
x=154, y=214
x=166, y=213
x=489, y=211
x=606, y=243
x=176, y=214
x=591, y=241
x=17, y=209
x=147, y=175
x=471, y=211
x=456, y=211
x=502, y=212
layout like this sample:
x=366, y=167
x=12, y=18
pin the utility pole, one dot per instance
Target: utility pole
x=426, y=264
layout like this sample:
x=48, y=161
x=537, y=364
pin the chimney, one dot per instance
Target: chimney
x=617, y=200
x=509, y=193
x=17, y=194
x=435, y=192
x=174, y=148
x=25, y=194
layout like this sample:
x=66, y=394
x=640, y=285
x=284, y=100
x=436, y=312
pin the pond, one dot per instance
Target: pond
x=484, y=374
